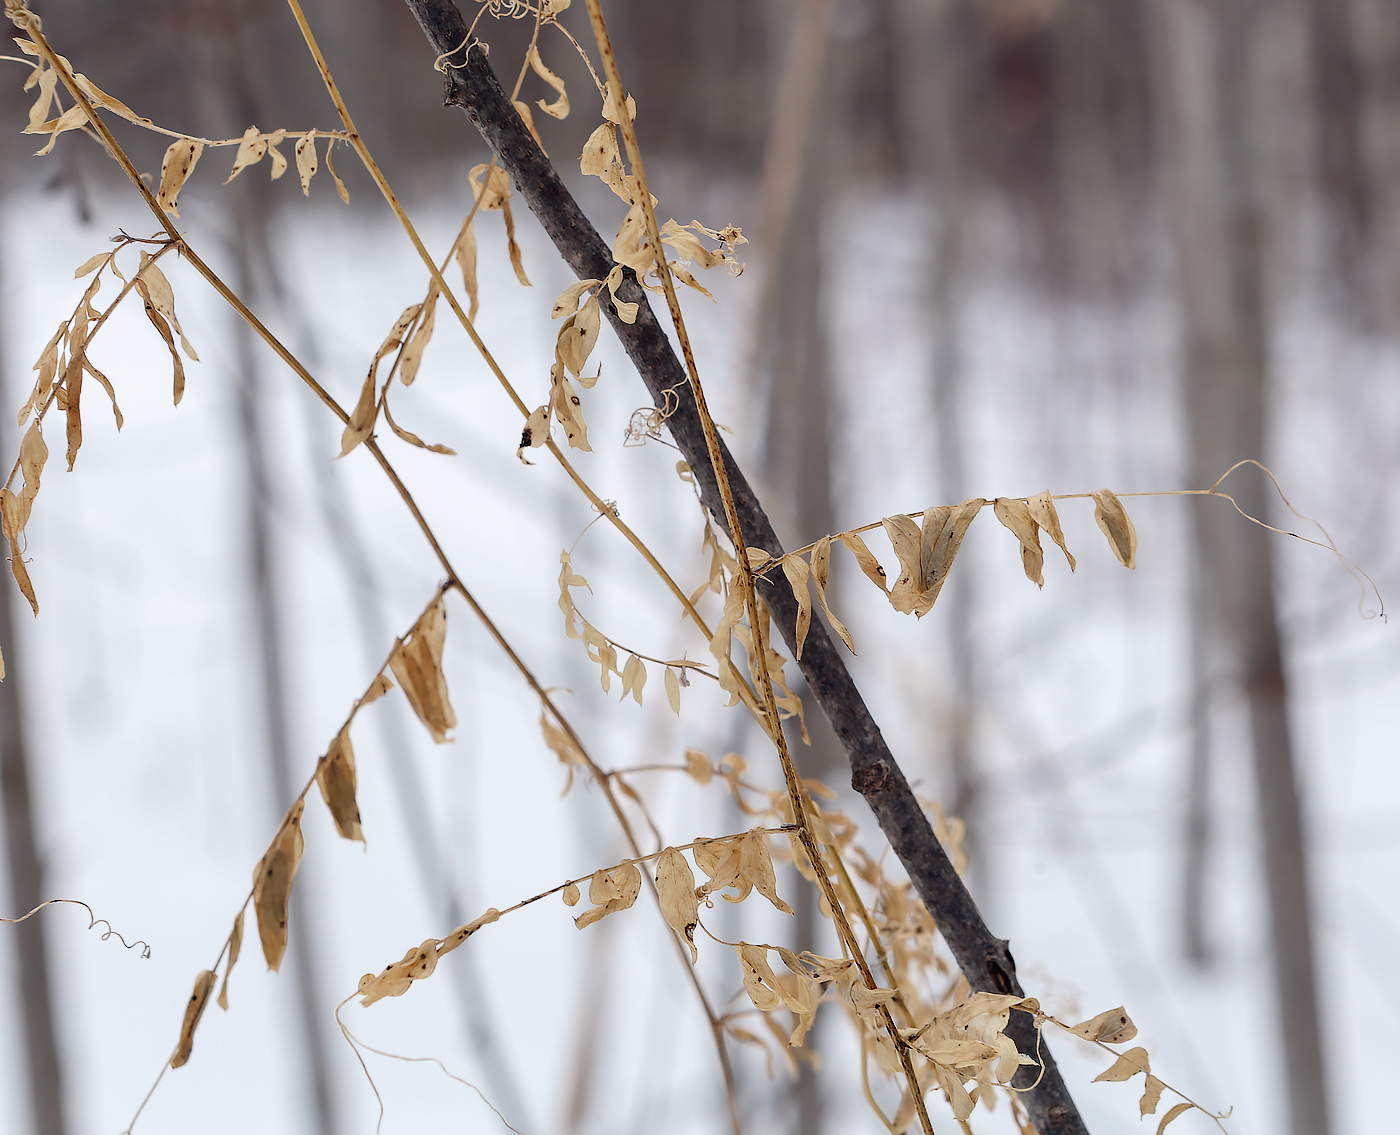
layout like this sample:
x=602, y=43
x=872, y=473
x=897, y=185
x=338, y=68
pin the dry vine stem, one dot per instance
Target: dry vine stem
x=984, y=959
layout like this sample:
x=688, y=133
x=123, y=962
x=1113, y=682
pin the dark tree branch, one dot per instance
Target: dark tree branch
x=984, y=959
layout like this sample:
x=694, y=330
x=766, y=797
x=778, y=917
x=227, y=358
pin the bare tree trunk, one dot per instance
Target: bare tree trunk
x=1207, y=76
x=26, y=869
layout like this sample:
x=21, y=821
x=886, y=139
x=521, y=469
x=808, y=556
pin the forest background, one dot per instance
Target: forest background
x=996, y=247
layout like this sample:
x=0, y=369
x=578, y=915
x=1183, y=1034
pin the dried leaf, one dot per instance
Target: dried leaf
x=559, y=108
x=465, y=931
x=571, y=895
x=102, y=98
x=1176, y=1109
x=194, y=1009
x=335, y=776
x=465, y=252
x=21, y=574
x=250, y=151
x=578, y=336
x=512, y=247
x=675, y=887
x=567, y=408
x=394, y=980
x=279, y=163
x=610, y=106
x=905, y=538
x=698, y=766
x=821, y=568
x=1151, y=1095
x=417, y=664
x=272, y=885
x=361, y=422
x=1016, y=515
x=158, y=289
x=757, y=866
x=92, y=262
x=797, y=571
x=1111, y=1027
x=1113, y=521
x=673, y=691
x=1126, y=1066
x=634, y=677
x=72, y=390
x=377, y=689
x=612, y=891
x=866, y=560
x=163, y=328
x=330, y=168
x=74, y=118
x=1043, y=513
x=760, y=982
x=412, y=438
x=305, y=151
x=568, y=300
x=175, y=169
x=235, y=947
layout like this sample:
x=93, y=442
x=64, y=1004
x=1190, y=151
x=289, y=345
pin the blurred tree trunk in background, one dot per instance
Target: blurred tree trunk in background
x=227, y=102
x=791, y=360
x=1210, y=96
x=22, y=858
x=931, y=62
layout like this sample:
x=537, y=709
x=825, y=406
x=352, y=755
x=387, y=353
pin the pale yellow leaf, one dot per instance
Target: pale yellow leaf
x=175, y=168
x=866, y=560
x=797, y=572
x=250, y=151
x=673, y=691
x=305, y=151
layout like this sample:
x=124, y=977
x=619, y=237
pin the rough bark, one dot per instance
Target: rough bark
x=984, y=959
x=1207, y=73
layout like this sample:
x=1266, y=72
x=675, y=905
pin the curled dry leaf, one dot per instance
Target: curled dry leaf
x=335, y=776
x=272, y=885
x=741, y=862
x=361, y=422
x=465, y=252
x=1176, y=1109
x=634, y=677
x=1043, y=512
x=578, y=336
x=611, y=891
x=821, y=569
x=522, y=108
x=675, y=887
x=1151, y=1095
x=1126, y=1066
x=330, y=168
x=175, y=169
x=419, y=962
x=413, y=353
x=235, y=947
x=559, y=108
x=466, y=930
x=535, y=433
x=1111, y=1027
x=405, y=435
x=1016, y=516
x=866, y=560
x=305, y=151
x=797, y=571
x=194, y=1009
x=1113, y=521
x=279, y=163
x=250, y=151
x=417, y=664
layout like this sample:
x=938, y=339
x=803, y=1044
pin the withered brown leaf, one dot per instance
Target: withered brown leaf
x=272, y=885
x=335, y=776
x=235, y=947
x=1113, y=521
x=194, y=1009
x=417, y=664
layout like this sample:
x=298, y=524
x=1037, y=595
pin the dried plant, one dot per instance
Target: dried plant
x=921, y=1024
